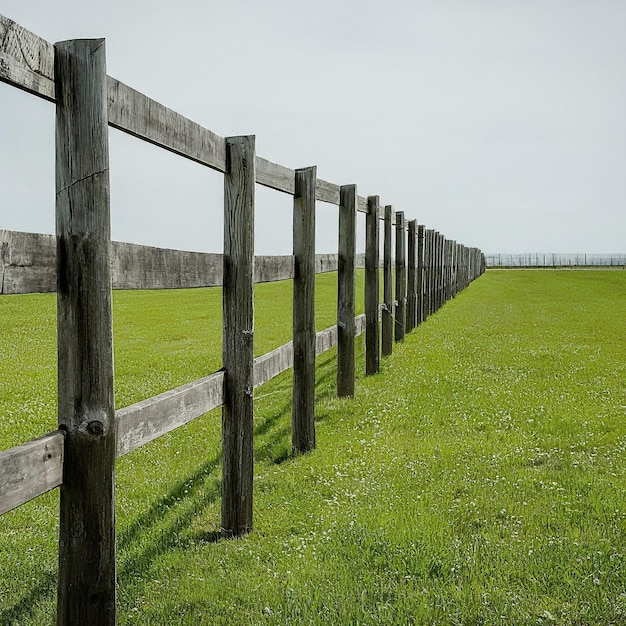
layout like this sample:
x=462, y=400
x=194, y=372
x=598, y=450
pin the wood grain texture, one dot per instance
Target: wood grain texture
x=31, y=469
x=271, y=268
x=388, y=308
x=400, y=317
x=26, y=60
x=27, y=262
x=140, y=423
x=275, y=176
x=146, y=267
x=372, y=287
x=238, y=337
x=303, y=326
x=346, y=292
x=326, y=192
x=136, y=114
x=86, y=581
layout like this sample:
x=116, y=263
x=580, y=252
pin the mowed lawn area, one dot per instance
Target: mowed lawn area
x=480, y=478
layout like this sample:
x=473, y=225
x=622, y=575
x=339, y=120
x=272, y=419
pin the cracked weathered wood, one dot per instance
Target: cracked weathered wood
x=238, y=337
x=388, y=308
x=26, y=60
x=31, y=469
x=346, y=291
x=86, y=582
x=303, y=390
x=372, y=287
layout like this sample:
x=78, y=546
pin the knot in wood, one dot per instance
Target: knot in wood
x=95, y=428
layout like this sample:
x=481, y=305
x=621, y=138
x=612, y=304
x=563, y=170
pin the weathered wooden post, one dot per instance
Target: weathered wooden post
x=388, y=308
x=411, y=308
x=303, y=395
x=346, y=330
x=439, y=274
x=400, y=277
x=86, y=582
x=420, y=273
x=238, y=337
x=432, y=273
x=372, y=287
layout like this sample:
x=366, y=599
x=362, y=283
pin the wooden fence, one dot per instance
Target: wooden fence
x=80, y=456
x=555, y=260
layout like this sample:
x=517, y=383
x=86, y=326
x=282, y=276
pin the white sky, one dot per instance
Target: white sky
x=501, y=123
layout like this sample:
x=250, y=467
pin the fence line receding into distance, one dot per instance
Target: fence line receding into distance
x=80, y=456
x=553, y=259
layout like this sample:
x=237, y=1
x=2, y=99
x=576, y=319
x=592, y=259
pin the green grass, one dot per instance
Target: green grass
x=479, y=479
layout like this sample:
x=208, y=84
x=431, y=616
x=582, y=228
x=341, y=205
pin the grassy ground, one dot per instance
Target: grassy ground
x=479, y=479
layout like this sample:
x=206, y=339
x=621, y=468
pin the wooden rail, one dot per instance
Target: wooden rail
x=28, y=265
x=82, y=265
x=31, y=469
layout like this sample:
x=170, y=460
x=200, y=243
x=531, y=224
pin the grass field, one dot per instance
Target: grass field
x=479, y=479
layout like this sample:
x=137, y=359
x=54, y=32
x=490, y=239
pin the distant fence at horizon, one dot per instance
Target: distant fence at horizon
x=554, y=259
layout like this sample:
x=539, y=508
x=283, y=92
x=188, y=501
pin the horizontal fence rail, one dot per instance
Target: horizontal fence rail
x=553, y=259
x=82, y=265
x=28, y=265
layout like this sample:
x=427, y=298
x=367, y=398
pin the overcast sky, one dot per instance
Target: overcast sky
x=501, y=123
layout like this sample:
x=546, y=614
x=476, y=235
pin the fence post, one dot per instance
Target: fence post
x=431, y=272
x=86, y=411
x=400, y=277
x=439, y=270
x=411, y=277
x=345, y=291
x=372, y=287
x=303, y=394
x=387, y=322
x=420, y=273
x=238, y=336
x=427, y=262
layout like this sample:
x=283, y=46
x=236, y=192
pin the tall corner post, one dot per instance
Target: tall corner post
x=303, y=391
x=400, y=325
x=346, y=330
x=372, y=286
x=388, y=308
x=86, y=410
x=238, y=336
